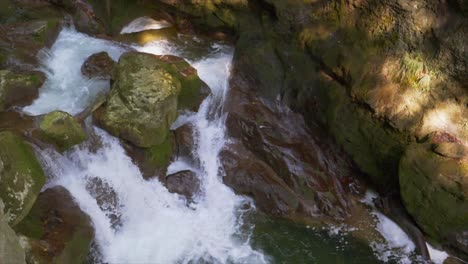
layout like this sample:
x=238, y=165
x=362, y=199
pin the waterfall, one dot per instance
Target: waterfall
x=138, y=220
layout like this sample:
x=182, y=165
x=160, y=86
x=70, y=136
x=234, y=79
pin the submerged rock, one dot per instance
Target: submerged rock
x=98, y=65
x=21, y=176
x=434, y=189
x=18, y=89
x=62, y=130
x=10, y=247
x=57, y=230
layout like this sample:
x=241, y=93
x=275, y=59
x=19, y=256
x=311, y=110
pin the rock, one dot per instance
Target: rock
x=62, y=130
x=21, y=41
x=275, y=159
x=21, y=177
x=56, y=228
x=18, y=89
x=146, y=94
x=248, y=175
x=98, y=66
x=451, y=150
x=10, y=247
x=434, y=189
x=154, y=160
x=185, y=183
x=143, y=101
x=184, y=142
x=84, y=17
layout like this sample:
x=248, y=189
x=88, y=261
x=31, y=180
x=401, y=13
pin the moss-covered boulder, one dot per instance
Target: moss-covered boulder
x=19, y=88
x=62, y=130
x=56, y=229
x=10, y=248
x=434, y=189
x=21, y=176
x=143, y=102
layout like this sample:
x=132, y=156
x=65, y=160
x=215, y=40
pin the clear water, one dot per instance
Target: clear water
x=139, y=221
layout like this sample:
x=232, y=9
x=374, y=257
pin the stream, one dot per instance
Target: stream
x=140, y=221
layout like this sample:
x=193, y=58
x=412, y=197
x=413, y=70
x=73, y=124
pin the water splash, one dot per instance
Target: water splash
x=137, y=220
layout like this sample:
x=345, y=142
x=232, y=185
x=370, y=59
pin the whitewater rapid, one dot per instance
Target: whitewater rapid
x=138, y=220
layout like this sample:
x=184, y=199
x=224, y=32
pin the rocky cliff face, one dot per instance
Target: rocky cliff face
x=378, y=75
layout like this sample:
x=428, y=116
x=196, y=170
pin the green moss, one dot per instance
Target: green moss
x=159, y=156
x=21, y=176
x=62, y=130
x=433, y=189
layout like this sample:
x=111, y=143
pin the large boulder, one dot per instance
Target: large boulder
x=10, y=247
x=146, y=94
x=434, y=187
x=56, y=229
x=143, y=102
x=21, y=176
x=19, y=88
x=62, y=130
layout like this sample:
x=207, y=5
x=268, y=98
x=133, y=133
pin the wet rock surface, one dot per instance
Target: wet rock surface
x=185, y=183
x=274, y=158
x=57, y=230
x=98, y=66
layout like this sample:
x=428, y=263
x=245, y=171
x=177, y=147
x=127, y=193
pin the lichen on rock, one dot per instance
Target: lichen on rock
x=62, y=130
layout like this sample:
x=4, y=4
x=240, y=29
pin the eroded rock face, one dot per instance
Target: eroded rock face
x=273, y=157
x=57, y=230
x=62, y=130
x=21, y=177
x=98, y=66
x=434, y=188
x=18, y=89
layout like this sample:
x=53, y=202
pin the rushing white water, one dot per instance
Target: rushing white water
x=66, y=88
x=137, y=220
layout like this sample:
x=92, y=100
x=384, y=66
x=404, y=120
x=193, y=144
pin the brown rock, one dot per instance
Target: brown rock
x=184, y=142
x=98, y=66
x=57, y=229
x=185, y=183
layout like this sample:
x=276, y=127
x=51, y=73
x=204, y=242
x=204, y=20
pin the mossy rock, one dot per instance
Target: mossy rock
x=62, y=130
x=143, y=102
x=147, y=92
x=375, y=146
x=10, y=247
x=57, y=230
x=434, y=189
x=19, y=88
x=21, y=176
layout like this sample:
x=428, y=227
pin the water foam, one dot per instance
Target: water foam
x=66, y=88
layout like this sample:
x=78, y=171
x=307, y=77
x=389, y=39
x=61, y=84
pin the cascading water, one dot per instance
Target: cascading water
x=137, y=220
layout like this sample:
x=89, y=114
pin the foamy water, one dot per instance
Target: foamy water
x=137, y=220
